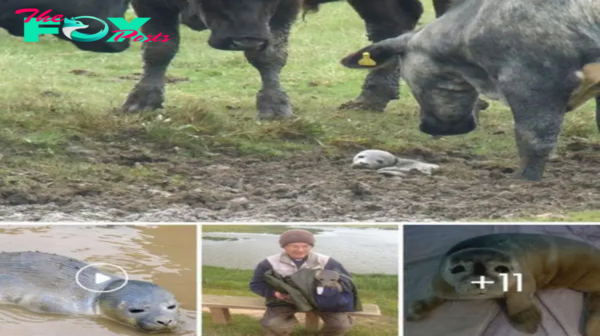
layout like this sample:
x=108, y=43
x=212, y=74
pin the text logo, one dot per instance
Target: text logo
x=70, y=27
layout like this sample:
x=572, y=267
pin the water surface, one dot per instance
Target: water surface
x=359, y=250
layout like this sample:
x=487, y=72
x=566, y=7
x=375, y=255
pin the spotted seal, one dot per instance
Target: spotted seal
x=543, y=262
x=387, y=163
x=46, y=283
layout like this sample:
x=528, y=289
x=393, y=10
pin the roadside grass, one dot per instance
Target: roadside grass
x=57, y=124
x=373, y=288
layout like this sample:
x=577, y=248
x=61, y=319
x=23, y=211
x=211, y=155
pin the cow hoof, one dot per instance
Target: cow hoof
x=142, y=100
x=361, y=105
x=273, y=105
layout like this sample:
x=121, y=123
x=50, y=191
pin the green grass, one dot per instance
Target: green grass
x=373, y=288
x=58, y=128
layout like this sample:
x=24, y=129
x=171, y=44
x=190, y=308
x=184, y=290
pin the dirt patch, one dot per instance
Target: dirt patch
x=81, y=72
x=309, y=187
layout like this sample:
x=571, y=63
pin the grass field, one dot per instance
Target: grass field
x=374, y=288
x=59, y=133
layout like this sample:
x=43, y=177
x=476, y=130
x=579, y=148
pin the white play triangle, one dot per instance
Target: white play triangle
x=101, y=278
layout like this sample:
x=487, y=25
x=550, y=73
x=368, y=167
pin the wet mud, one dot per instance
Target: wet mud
x=312, y=187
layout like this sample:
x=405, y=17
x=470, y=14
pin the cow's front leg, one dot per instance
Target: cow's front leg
x=382, y=22
x=272, y=101
x=148, y=93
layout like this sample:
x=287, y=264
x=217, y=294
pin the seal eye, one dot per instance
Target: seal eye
x=361, y=156
x=501, y=269
x=380, y=161
x=136, y=311
x=171, y=307
x=457, y=269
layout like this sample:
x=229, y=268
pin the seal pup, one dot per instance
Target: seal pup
x=543, y=262
x=45, y=283
x=387, y=163
x=327, y=278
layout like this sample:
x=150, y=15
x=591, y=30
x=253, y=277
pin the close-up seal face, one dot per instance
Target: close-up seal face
x=142, y=305
x=464, y=269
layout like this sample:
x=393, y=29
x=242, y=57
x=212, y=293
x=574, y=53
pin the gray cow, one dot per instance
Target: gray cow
x=527, y=54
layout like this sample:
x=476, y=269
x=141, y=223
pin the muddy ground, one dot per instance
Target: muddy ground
x=311, y=187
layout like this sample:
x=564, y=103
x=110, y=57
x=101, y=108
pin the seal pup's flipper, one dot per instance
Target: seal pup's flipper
x=420, y=309
x=403, y=166
x=592, y=324
x=522, y=312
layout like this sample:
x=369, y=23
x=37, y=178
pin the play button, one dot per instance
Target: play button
x=101, y=278
x=95, y=277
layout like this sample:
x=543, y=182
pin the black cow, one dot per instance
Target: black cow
x=383, y=19
x=102, y=9
x=260, y=28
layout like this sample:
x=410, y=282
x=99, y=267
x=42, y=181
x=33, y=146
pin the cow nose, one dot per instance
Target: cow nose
x=248, y=43
x=164, y=322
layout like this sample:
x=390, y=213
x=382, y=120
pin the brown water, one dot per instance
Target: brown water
x=165, y=255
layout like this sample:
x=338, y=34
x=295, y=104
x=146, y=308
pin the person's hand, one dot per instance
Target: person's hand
x=283, y=297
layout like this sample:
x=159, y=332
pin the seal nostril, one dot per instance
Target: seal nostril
x=164, y=323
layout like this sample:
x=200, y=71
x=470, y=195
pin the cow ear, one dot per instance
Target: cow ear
x=377, y=54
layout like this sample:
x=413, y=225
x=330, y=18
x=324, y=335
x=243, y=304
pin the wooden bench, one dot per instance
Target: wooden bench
x=219, y=306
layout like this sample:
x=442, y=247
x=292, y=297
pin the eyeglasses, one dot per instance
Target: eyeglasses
x=299, y=247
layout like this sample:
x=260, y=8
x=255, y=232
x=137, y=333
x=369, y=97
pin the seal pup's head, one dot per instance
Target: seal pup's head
x=373, y=159
x=143, y=305
x=464, y=269
x=327, y=278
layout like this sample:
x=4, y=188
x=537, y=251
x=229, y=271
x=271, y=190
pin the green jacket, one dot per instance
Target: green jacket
x=300, y=286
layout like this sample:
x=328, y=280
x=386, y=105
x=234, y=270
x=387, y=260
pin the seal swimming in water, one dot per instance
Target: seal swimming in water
x=544, y=262
x=45, y=283
x=387, y=163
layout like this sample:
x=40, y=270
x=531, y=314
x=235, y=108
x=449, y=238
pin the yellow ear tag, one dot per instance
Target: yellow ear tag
x=366, y=60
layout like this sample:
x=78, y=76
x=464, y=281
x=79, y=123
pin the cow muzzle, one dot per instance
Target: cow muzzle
x=437, y=127
x=241, y=44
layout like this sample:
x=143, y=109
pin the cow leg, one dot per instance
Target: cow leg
x=272, y=101
x=441, y=6
x=390, y=19
x=537, y=120
x=148, y=93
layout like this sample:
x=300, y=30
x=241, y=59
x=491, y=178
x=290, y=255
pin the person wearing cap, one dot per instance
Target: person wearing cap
x=279, y=319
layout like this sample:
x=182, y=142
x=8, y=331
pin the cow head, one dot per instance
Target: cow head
x=449, y=105
x=239, y=24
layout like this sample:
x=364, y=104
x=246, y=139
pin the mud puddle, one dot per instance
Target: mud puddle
x=164, y=255
x=311, y=187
